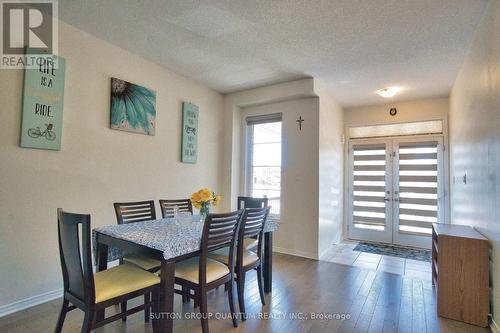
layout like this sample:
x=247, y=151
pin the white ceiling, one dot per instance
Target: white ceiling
x=355, y=46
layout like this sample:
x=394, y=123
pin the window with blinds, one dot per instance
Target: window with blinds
x=418, y=186
x=264, y=159
x=369, y=186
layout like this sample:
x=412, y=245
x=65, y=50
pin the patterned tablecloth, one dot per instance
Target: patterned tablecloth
x=173, y=236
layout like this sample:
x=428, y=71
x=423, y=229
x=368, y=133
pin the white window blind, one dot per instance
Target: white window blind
x=264, y=118
x=418, y=186
x=369, y=186
x=264, y=147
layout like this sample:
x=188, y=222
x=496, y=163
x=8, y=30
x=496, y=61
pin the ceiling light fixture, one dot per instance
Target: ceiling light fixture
x=388, y=92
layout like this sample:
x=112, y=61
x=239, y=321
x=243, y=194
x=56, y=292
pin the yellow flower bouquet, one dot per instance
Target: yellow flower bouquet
x=203, y=199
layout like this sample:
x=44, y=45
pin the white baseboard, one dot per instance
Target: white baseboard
x=38, y=299
x=296, y=253
x=322, y=254
x=29, y=302
x=494, y=326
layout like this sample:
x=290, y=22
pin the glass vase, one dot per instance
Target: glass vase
x=204, y=211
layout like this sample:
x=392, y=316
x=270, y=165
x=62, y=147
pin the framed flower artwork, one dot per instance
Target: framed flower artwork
x=133, y=107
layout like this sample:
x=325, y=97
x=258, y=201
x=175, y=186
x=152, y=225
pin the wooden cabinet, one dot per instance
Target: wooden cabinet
x=460, y=273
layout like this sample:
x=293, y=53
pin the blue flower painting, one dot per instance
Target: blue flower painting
x=133, y=108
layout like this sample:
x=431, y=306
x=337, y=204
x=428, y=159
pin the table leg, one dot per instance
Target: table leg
x=167, y=278
x=268, y=262
x=102, y=257
x=102, y=264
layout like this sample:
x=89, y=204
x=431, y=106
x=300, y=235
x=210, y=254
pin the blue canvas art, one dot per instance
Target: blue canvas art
x=133, y=107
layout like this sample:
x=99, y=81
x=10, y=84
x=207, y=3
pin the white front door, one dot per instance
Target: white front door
x=395, y=189
x=370, y=190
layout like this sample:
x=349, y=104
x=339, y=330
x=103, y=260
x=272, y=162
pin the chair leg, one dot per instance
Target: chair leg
x=241, y=294
x=123, y=306
x=147, y=310
x=203, y=310
x=62, y=316
x=185, y=298
x=196, y=299
x=87, y=321
x=230, y=294
x=261, y=285
x=156, y=310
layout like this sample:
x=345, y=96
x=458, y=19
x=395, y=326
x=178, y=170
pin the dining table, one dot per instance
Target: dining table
x=168, y=240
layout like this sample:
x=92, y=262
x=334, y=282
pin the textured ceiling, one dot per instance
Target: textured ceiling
x=355, y=46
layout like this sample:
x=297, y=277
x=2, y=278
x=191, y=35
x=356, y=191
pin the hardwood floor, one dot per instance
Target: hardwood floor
x=373, y=301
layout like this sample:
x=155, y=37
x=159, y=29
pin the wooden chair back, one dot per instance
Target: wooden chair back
x=252, y=225
x=250, y=202
x=168, y=207
x=129, y=212
x=75, y=254
x=219, y=230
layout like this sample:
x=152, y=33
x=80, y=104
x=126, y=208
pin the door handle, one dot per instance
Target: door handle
x=387, y=199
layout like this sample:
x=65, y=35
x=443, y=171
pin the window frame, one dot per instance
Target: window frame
x=250, y=121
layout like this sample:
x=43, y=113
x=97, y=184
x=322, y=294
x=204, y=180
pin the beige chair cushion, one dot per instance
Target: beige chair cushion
x=222, y=255
x=121, y=280
x=189, y=270
x=250, y=243
x=142, y=262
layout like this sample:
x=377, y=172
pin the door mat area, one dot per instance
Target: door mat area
x=395, y=251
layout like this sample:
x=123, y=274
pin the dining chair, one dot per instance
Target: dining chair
x=251, y=202
x=130, y=212
x=168, y=207
x=252, y=224
x=91, y=292
x=202, y=274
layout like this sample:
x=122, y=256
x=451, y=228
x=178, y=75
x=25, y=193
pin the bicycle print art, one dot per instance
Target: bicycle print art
x=48, y=134
x=43, y=95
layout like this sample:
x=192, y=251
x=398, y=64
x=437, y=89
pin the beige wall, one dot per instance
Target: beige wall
x=331, y=170
x=424, y=109
x=475, y=140
x=298, y=232
x=312, y=206
x=232, y=139
x=96, y=165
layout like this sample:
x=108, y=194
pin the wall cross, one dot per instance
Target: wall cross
x=300, y=121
